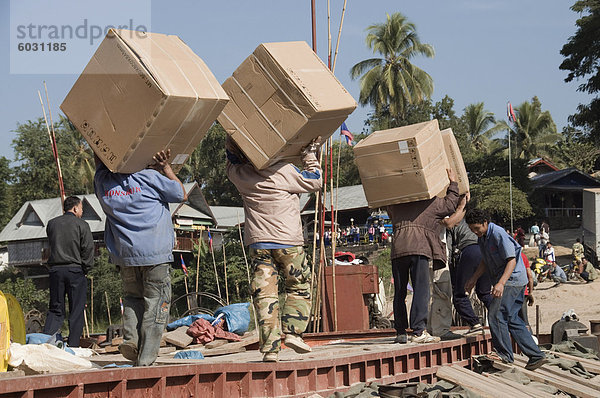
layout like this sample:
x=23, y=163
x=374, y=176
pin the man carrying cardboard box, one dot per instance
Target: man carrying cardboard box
x=139, y=237
x=416, y=241
x=273, y=230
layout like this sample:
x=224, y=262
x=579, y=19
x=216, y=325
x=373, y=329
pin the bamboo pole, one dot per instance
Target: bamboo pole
x=333, y=235
x=225, y=270
x=107, y=308
x=85, y=319
x=314, y=252
x=212, y=253
x=92, y=303
x=53, y=148
x=314, y=25
x=56, y=159
x=322, y=256
x=328, y=34
x=187, y=292
x=337, y=44
x=247, y=270
x=198, y=260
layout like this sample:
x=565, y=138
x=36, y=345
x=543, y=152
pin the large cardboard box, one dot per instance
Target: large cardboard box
x=403, y=164
x=456, y=161
x=142, y=93
x=282, y=96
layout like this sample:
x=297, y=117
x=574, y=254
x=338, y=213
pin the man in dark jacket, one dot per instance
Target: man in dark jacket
x=417, y=241
x=71, y=255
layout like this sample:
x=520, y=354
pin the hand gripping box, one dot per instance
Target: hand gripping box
x=142, y=93
x=282, y=96
x=403, y=164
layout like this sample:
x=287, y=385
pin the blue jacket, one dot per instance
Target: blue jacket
x=497, y=247
x=138, y=230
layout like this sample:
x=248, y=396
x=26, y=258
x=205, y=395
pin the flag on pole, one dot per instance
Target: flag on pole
x=121, y=302
x=510, y=113
x=185, y=271
x=346, y=133
x=210, y=242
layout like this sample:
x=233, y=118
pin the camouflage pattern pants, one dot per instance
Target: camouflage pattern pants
x=267, y=264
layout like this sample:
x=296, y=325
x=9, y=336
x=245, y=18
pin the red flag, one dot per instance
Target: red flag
x=510, y=113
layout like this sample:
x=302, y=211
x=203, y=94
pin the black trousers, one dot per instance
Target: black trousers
x=470, y=258
x=418, y=268
x=69, y=281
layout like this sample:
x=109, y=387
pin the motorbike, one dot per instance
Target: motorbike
x=540, y=269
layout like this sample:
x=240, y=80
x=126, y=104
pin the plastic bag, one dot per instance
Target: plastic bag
x=188, y=320
x=189, y=355
x=237, y=317
x=45, y=358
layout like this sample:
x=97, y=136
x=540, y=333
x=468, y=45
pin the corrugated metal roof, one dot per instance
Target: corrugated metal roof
x=344, y=198
x=46, y=209
x=227, y=216
x=576, y=179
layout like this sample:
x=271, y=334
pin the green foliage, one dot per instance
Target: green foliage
x=6, y=200
x=348, y=172
x=237, y=276
x=418, y=112
x=480, y=126
x=207, y=166
x=107, y=279
x=392, y=81
x=582, y=60
x=534, y=132
x=28, y=295
x=384, y=264
x=492, y=194
x=35, y=175
x=576, y=150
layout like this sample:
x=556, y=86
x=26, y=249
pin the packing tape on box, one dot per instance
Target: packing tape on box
x=399, y=147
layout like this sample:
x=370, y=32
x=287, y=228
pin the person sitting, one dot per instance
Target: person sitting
x=587, y=271
x=557, y=274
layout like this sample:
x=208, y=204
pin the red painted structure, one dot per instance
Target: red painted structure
x=254, y=379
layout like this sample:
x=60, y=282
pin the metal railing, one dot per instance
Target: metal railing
x=563, y=211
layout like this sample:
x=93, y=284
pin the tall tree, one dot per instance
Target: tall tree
x=6, y=202
x=35, y=174
x=207, y=166
x=393, y=81
x=576, y=150
x=491, y=194
x=582, y=60
x=534, y=133
x=480, y=125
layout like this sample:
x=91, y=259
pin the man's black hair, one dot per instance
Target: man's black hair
x=71, y=202
x=476, y=216
x=578, y=240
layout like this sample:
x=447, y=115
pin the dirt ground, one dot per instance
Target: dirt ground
x=553, y=301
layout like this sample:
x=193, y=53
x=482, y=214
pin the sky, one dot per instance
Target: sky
x=486, y=50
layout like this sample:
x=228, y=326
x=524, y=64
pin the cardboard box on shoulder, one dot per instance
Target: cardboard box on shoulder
x=456, y=162
x=282, y=96
x=142, y=93
x=403, y=164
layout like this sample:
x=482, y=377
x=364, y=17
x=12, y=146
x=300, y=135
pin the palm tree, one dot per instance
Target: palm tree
x=392, y=81
x=534, y=131
x=480, y=126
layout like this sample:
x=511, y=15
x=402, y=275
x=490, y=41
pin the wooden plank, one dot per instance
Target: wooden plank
x=179, y=337
x=558, y=372
x=482, y=387
x=526, y=389
x=562, y=384
x=246, y=341
x=591, y=365
x=215, y=344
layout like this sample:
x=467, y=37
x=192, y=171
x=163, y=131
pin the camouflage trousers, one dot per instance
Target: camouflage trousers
x=267, y=264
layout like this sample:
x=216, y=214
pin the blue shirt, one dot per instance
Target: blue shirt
x=138, y=230
x=559, y=273
x=497, y=247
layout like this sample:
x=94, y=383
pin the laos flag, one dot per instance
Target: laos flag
x=346, y=133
